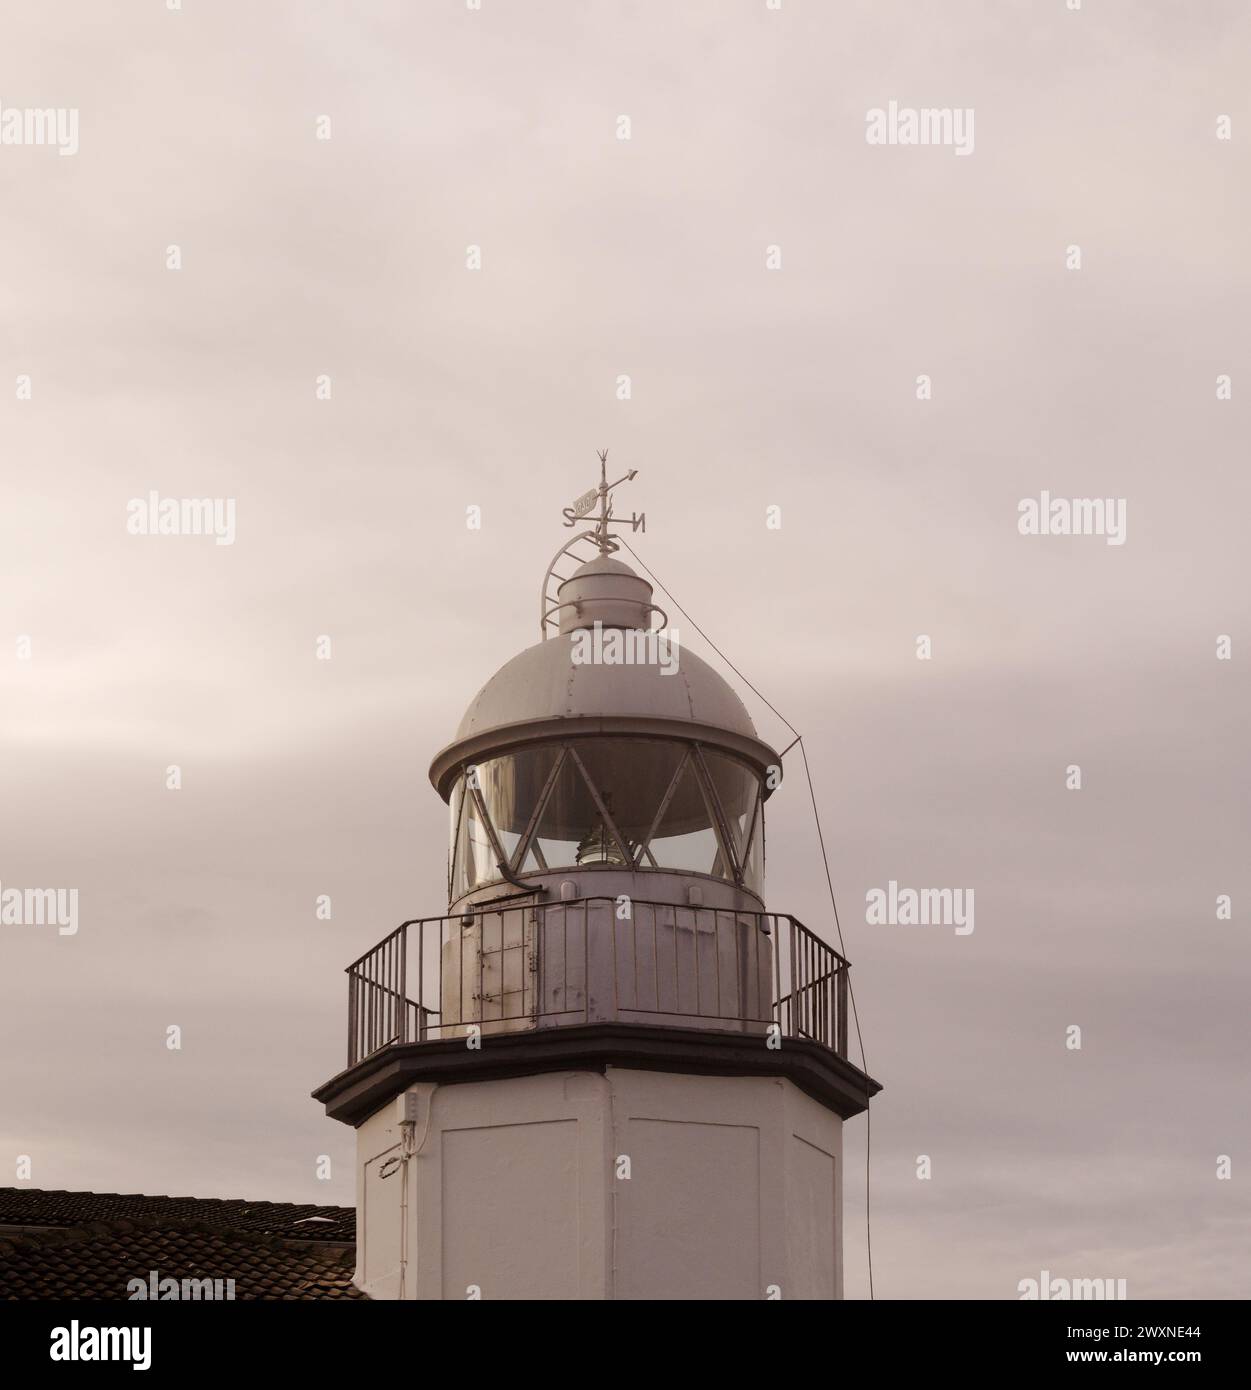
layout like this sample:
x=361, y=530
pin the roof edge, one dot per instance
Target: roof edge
x=356, y=1093
x=509, y=736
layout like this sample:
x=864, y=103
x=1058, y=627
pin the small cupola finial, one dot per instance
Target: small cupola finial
x=604, y=540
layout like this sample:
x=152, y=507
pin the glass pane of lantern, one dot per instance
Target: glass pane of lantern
x=454, y=805
x=632, y=776
x=511, y=787
x=568, y=816
x=497, y=781
x=475, y=856
x=736, y=787
x=753, y=862
x=685, y=839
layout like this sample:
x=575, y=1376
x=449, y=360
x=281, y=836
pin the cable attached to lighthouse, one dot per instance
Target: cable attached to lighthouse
x=825, y=859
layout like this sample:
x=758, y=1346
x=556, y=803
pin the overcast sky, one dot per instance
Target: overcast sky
x=751, y=388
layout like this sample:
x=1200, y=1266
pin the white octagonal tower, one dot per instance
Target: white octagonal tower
x=607, y=1071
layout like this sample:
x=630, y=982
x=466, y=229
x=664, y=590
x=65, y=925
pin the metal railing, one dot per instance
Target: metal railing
x=520, y=966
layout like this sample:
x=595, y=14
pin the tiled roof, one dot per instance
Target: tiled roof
x=32, y=1206
x=97, y=1259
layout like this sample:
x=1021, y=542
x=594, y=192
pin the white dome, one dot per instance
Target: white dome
x=544, y=682
x=543, y=693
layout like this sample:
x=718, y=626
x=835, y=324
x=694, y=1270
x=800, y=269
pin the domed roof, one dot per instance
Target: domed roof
x=551, y=689
x=545, y=682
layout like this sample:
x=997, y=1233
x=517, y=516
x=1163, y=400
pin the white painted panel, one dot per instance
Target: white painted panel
x=689, y=1224
x=510, y=1210
x=380, y=1226
x=810, y=1206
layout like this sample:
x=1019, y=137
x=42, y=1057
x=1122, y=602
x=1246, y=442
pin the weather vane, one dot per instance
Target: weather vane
x=601, y=494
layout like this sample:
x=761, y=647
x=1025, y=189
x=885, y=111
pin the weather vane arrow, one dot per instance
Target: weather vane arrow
x=585, y=504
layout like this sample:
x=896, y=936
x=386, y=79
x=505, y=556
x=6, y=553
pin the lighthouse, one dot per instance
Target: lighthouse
x=607, y=1070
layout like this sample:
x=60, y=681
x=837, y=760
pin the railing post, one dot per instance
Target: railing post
x=841, y=1047
x=421, y=981
x=775, y=988
x=403, y=1000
